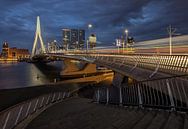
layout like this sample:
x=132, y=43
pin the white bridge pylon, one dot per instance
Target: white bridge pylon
x=38, y=35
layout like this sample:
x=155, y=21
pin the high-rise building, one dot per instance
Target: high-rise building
x=66, y=38
x=81, y=39
x=73, y=38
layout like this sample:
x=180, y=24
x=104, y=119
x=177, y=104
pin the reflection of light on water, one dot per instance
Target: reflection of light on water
x=5, y=64
x=36, y=77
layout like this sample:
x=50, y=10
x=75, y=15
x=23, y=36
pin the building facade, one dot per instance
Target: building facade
x=14, y=53
x=73, y=38
x=81, y=38
x=5, y=50
x=66, y=38
x=52, y=46
x=92, y=41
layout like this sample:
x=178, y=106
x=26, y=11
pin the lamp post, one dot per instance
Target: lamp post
x=118, y=43
x=126, y=32
x=89, y=27
x=171, y=32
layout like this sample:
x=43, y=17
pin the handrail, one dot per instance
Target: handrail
x=176, y=65
x=167, y=93
x=11, y=117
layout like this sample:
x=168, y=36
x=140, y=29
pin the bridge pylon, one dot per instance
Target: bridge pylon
x=38, y=36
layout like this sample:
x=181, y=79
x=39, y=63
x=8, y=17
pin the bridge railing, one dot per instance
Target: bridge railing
x=13, y=116
x=167, y=93
x=177, y=65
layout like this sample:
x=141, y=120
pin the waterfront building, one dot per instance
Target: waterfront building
x=52, y=46
x=14, y=53
x=92, y=41
x=5, y=48
x=73, y=38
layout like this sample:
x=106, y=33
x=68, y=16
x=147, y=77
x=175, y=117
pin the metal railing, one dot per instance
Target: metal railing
x=177, y=65
x=14, y=115
x=167, y=93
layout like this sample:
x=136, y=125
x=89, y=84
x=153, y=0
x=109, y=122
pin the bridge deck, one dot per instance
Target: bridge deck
x=80, y=113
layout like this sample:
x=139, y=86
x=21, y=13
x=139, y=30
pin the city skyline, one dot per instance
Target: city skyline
x=145, y=20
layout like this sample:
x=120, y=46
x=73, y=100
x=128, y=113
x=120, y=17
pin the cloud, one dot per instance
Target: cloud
x=145, y=19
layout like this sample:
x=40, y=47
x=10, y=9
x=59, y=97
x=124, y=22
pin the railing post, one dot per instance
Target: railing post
x=107, y=95
x=42, y=101
x=6, y=121
x=120, y=96
x=28, y=109
x=53, y=99
x=18, y=116
x=139, y=97
x=36, y=104
x=48, y=99
x=64, y=95
x=170, y=95
x=59, y=96
x=98, y=96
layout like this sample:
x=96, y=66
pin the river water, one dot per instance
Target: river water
x=20, y=74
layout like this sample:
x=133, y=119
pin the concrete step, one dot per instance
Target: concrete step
x=185, y=122
x=100, y=117
x=80, y=113
x=174, y=122
x=132, y=119
x=145, y=121
x=158, y=121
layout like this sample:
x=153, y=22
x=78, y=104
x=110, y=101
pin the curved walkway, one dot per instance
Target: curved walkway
x=81, y=113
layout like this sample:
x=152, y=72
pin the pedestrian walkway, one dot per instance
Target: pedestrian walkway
x=81, y=113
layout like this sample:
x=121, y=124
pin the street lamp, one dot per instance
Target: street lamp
x=126, y=32
x=171, y=32
x=89, y=27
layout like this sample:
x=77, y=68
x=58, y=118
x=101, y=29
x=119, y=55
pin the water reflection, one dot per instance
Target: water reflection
x=15, y=74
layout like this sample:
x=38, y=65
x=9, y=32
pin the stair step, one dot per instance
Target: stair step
x=121, y=118
x=145, y=121
x=185, y=122
x=174, y=122
x=158, y=121
x=99, y=118
x=132, y=120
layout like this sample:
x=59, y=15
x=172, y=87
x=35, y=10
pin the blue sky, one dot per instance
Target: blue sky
x=145, y=19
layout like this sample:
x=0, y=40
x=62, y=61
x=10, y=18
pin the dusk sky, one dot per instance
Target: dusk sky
x=145, y=19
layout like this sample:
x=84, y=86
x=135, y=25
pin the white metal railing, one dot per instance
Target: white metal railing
x=167, y=93
x=168, y=64
x=14, y=115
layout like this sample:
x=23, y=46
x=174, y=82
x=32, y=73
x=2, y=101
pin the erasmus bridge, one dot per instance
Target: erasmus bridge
x=156, y=98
